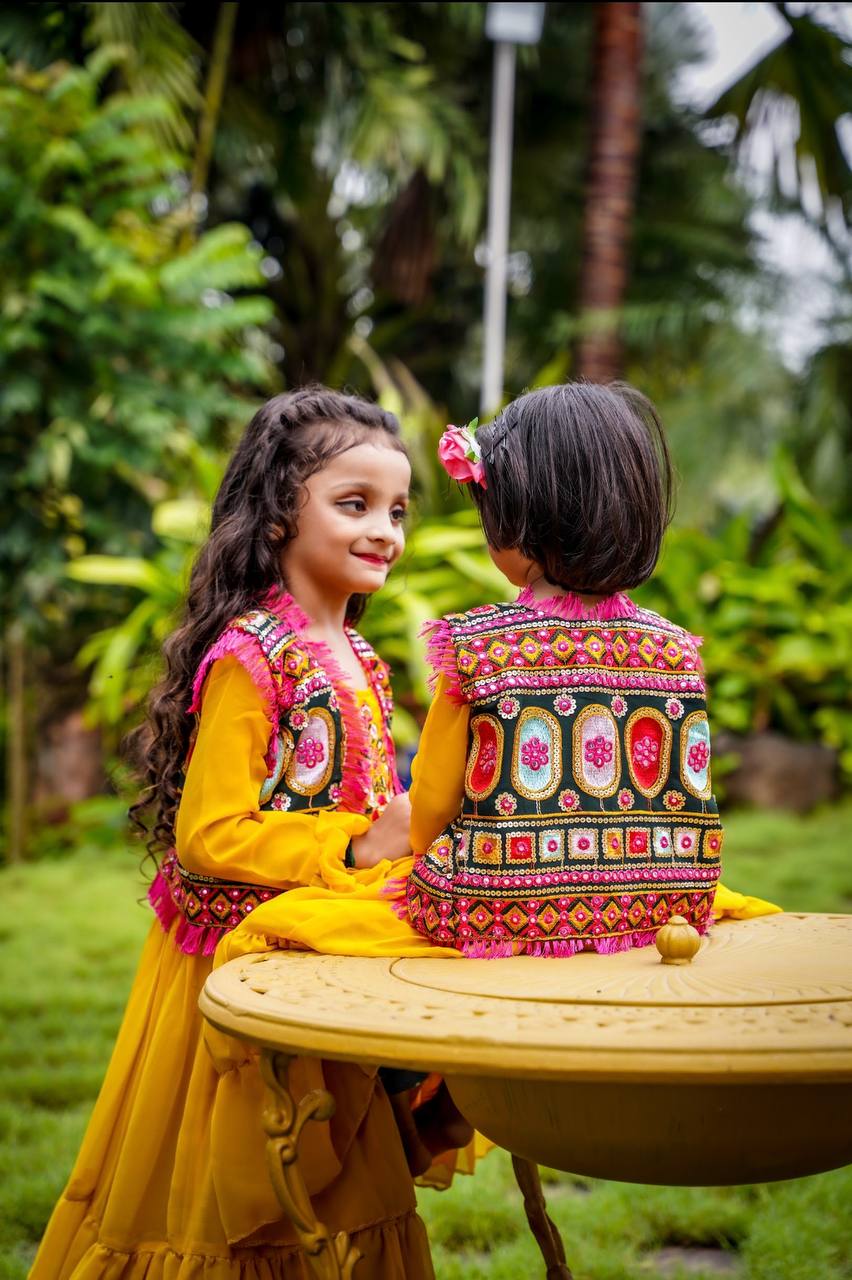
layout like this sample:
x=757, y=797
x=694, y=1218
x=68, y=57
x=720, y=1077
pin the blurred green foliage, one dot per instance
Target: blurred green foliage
x=123, y=345
x=774, y=600
x=344, y=203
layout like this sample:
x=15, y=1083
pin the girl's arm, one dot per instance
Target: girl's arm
x=220, y=830
x=437, y=770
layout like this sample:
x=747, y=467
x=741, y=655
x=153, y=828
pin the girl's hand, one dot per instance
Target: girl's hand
x=388, y=837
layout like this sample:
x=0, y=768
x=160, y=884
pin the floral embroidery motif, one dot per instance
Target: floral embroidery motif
x=662, y=842
x=619, y=706
x=639, y=842
x=626, y=799
x=712, y=844
x=674, y=708
x=310, y=769
x=506, y=803
x=520, y=848
x=278, y=757
x=565, y=704
x=439, y=852
x=569, y=800
x=646, y=752
x=598, y=751
x=613, y=845
x=583, y=843
x=535, y=754
x=551, y=846
x=281, y=802
x=695, y=755
x=310, y=752
x=298, y=719
x=508, y=708
x=648, y=744
x=686, y=842
x=673, y=800
x=484, y=758
x=334, y=793
x=487, y=848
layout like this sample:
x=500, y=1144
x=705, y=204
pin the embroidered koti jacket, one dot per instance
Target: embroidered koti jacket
x=326, y=754
x=587, y=817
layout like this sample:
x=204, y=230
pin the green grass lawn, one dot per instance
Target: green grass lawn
x=70, y=935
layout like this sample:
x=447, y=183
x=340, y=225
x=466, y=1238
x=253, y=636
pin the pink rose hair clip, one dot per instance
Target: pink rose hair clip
x=460, y=455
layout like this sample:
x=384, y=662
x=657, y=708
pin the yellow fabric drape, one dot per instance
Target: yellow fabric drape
x=171, y=1177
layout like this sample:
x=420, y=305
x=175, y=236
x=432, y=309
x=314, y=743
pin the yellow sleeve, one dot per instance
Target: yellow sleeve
x=220, y=830
x=437, y=771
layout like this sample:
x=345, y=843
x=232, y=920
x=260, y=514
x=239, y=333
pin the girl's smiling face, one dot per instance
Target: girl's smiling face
x=351, y=523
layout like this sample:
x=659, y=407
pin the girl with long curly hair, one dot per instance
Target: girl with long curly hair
x=269, y=765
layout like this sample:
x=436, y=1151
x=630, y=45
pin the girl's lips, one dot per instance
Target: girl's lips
x=376, y=560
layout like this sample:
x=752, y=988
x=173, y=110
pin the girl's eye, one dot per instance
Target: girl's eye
x=399, y=514
x=355, y=504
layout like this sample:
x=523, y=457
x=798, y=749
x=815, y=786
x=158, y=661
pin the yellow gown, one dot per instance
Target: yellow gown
x=170, y=1182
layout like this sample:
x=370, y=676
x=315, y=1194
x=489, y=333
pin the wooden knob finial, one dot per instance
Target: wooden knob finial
x=678, y=941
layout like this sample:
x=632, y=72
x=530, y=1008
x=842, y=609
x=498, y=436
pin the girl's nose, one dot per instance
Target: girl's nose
x=382, y=529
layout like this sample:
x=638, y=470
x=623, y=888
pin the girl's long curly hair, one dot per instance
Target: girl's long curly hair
x=255, y=515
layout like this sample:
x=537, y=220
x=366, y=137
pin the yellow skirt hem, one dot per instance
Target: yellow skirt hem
x=389, y=1248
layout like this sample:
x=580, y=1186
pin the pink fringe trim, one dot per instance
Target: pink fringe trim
x=572, y=608
x=282, y=604
x=248, y=652
x=191, y=939
x=561, y=948
x=395, y=894
x=441, y=656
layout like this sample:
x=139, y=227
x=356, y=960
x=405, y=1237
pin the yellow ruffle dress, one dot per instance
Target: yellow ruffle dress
x=170, y=1182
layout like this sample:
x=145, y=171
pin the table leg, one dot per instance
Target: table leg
x=283, y=1121
x=546, y=1234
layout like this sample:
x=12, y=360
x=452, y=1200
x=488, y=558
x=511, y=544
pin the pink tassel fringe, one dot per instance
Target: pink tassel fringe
x=394, y=893
x=560, y=948
x=572, y=608
x=441, y=656
x=246, y=649
x=192, y=939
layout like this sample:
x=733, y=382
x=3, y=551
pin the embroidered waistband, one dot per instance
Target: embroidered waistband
x=552, y=923
x=210, y=907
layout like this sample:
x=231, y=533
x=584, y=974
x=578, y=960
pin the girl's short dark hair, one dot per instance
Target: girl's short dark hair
x=580, y=480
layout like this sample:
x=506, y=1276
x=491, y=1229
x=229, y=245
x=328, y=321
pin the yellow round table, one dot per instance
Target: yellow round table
x=733, y=1068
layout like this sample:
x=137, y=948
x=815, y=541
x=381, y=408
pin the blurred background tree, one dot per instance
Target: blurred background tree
x=331, y=161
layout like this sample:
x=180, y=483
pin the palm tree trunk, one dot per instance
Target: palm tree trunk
x=614, y=142
x=219, y=57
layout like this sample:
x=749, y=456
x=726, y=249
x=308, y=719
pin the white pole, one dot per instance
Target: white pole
x=499, y=198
